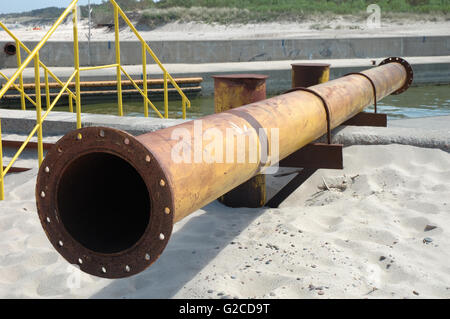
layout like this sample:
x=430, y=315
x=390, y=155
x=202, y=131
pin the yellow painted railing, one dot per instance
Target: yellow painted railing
x=47, y=71
x=33, y=55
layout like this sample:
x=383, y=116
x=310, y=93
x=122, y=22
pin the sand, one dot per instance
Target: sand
x=362, y=238
x=337, y=27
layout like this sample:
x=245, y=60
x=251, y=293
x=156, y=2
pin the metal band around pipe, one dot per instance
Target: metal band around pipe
x=325, y=105
x=373, y=87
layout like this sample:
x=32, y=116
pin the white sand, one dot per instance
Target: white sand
x=319, y=244
x=337, y=27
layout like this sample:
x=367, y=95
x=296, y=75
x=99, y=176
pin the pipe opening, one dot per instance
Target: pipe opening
x=10, y=48
x=103, y=202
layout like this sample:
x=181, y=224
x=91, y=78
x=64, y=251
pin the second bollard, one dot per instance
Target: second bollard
x=309, y=74
x=231, y=91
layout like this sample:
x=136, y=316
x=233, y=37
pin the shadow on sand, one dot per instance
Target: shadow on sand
x=195, y=242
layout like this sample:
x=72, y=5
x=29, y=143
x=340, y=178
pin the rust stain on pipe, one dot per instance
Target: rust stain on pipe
x=108, y=201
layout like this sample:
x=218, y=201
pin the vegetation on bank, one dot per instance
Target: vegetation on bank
x=151, y=14
x=244, y=11
x=42, y=16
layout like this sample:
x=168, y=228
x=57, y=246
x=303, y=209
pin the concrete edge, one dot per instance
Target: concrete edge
x=60, y=123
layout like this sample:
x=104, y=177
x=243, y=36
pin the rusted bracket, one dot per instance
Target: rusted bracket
x=368, y=119
x=316, y=155
x=17, y=144
x=17, y=169
x=325, y=105
x=30, y=145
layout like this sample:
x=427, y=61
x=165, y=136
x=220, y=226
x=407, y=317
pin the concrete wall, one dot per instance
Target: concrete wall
x=61, y=53
x=427, y=70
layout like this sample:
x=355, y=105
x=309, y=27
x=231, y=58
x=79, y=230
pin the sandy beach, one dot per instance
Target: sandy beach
x=377, y=229
x=336, y=27
x=380, y=228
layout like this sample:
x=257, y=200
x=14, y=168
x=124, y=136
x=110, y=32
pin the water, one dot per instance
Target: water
x=419, y=101
x=200, y=106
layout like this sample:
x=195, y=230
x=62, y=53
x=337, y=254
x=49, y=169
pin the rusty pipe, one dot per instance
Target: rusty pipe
x=108, y=200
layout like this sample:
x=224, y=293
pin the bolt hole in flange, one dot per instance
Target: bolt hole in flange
x=10, y=49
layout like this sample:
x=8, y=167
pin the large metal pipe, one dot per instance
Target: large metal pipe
x=108, y=200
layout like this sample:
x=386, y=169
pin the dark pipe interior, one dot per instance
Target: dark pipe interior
x=10, y=49
x=103, y=202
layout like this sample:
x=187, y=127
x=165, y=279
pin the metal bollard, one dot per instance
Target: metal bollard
x=309, y=74
x=232, y=91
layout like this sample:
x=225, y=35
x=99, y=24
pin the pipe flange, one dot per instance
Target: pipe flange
x=409, y=72
x=155, y=234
